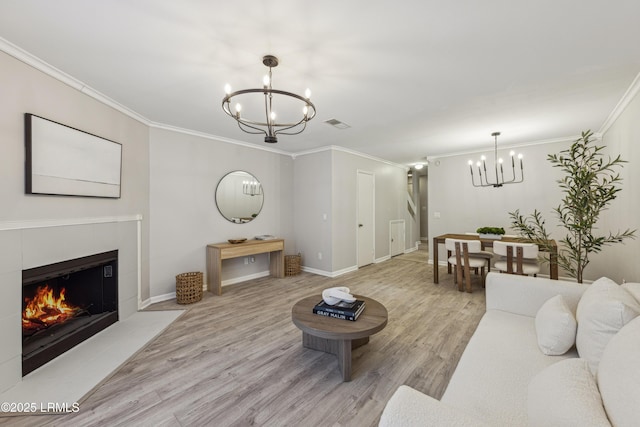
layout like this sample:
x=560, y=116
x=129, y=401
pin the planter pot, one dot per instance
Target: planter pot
x=490, y=236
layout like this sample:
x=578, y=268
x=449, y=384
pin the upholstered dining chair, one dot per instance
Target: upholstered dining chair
x=517, y=258
x=467, y=254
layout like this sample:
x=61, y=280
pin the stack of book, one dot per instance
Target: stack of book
x=342, y=310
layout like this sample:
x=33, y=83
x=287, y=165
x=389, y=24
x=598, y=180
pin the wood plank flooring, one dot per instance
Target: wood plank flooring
x=238, y=360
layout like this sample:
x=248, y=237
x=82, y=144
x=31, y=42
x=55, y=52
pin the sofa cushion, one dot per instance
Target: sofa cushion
x=555, y=327
x=411, y=408
x=619, y=376
x=605, y=307
x=491, y=379
x=565, y=394
x=633, y=289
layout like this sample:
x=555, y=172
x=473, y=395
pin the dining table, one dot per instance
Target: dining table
x=488, y=243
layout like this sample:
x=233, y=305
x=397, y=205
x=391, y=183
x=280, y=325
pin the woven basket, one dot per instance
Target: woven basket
x=292, y=265
x=189, y=287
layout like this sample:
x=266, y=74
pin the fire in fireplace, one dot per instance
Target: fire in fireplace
x=66, y=303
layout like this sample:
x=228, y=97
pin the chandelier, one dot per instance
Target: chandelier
x=484, y=180
x=270, y=127
x=251, y=188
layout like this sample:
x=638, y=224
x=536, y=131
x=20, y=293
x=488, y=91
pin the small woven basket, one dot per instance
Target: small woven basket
x=292, y=265
x=189, y=287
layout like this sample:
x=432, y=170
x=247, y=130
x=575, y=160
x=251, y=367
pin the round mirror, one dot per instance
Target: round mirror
x=239, y=197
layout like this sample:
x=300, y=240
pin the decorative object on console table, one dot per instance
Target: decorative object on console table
x=343, y=310
x=495, y=233
x=189, y=287
x=236, y=241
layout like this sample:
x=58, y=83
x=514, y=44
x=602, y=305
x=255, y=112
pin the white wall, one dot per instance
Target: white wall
x=185, y=170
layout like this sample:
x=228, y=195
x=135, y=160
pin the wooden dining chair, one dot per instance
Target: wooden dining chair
x=467, y=254
x=517, y=258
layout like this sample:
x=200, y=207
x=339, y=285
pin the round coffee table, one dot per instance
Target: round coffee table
x=337, y=336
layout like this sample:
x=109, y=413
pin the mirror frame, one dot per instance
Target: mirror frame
x=241, y=219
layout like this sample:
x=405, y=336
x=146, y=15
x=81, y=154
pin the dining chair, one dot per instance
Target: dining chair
x=467, y=254
x=517, y=258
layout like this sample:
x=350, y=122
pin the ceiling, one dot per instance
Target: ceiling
x=412, y=78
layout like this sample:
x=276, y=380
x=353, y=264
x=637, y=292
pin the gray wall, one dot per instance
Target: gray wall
x=185, y=170
x=331, y=175
x=619, y=261
x=27, y=90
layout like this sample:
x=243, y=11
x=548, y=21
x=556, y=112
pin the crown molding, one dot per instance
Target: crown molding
x=597, y=136
x=218, y=138
x=48, y=69
x=628, y=96
x=348, y=151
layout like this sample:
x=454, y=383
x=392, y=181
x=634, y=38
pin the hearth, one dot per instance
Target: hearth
x=66, y=303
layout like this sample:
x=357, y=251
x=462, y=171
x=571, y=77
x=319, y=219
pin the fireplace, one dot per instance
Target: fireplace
x=66, y=303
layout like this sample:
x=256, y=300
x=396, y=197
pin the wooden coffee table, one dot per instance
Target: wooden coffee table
x=337, y=336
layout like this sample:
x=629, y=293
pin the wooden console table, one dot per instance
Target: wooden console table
x=219, y=251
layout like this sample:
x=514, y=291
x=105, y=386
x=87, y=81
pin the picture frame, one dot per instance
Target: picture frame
x=61, y=160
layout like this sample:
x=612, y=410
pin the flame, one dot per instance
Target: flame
x=46, y=309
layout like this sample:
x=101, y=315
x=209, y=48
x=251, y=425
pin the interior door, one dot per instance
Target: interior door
x=397, y=237
x=365, y=218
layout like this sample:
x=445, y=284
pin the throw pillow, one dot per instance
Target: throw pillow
x=605, y=307
x=555, y=327
x=633, y=289
x=565, y=394
x=619, y=376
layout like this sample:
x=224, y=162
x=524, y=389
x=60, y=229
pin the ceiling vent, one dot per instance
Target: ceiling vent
x=337, y=124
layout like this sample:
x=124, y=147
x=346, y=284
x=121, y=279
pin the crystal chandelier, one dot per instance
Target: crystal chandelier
x=483, y=175
x=270, y=126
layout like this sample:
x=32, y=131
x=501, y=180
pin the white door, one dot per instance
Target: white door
x=396, y=235
x=365, y=218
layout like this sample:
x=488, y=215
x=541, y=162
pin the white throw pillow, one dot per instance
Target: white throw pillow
x=555, y=327
x=619, y=376
x=605, y=307
x=565, y=394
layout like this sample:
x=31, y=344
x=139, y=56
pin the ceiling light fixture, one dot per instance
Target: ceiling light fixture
x=499, y=181
x=270, y=127
x=419, y=166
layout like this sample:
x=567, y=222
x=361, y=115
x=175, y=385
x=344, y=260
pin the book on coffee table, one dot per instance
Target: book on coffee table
x=342, y=310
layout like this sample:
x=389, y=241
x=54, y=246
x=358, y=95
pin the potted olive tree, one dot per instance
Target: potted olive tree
x=590, y=184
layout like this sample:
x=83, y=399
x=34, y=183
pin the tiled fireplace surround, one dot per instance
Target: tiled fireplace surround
x=31, y=244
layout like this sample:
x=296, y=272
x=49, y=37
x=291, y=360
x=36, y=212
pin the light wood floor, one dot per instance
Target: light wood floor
x=237, y=359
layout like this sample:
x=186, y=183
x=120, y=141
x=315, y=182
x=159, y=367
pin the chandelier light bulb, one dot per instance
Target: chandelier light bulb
x=307, y=93
x=470, y=163
x=500, y=160
x=483, y=158
x=478, y=164
x=520, y=156
x=305, y=110
x=512, y=153
x=273, y=115
x=266, y=81
x=227, y=88
x=238, y=108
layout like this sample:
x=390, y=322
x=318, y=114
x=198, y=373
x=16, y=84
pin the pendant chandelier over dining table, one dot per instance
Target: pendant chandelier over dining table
x=270, y=126
x=485, y=181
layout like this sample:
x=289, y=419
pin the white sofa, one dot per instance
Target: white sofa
x=504, y=379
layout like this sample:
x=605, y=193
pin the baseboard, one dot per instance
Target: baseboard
x=329, y=273
x=383, y=259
